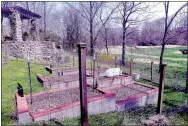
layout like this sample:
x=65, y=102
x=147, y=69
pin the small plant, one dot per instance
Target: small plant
x=25, y=34
x=47, y=38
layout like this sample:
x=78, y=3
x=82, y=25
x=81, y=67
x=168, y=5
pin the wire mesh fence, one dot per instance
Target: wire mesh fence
x=56, y=95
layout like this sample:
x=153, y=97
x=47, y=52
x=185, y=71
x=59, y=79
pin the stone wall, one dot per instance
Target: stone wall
x=35, y=49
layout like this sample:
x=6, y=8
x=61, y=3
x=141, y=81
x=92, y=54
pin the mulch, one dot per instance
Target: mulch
x=55, y=99
x=129, y=90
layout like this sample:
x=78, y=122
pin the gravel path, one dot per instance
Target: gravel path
x=55, y=99
x=130, y=90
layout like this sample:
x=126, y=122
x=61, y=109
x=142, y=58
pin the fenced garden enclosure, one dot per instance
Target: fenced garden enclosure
x=81, y=83
x=53, y=92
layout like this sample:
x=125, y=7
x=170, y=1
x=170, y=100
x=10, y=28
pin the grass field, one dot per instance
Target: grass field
x=16, y=72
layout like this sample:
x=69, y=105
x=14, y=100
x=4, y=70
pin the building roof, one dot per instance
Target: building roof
x=24, y=13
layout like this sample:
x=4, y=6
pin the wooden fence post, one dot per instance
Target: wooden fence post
x=161, y=88
x=83, y=84
x=131, y=65
x=151, y=71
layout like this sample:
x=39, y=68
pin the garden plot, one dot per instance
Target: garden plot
x=73, y=70
x=64, y=103
x=133, y=95
x=64, y=81
x=98, y=72
x=104, y=82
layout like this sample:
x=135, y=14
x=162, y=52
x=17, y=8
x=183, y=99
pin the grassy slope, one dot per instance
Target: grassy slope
x=13, y=73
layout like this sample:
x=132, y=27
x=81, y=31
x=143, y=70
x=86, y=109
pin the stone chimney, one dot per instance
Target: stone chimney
x=16, y=27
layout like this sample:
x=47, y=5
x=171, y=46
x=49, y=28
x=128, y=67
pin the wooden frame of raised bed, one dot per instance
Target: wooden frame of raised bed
x=141, y=97
x=102, y=103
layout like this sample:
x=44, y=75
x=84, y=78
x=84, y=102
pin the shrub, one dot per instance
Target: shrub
x=105, y=57
x=25, y=34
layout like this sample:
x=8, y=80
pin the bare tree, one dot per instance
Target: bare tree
x=168, y=23
x=127, y=11
x=44, y=19
x=72, y=23
x=105, y=37
x=90, y=11
x=132, y=14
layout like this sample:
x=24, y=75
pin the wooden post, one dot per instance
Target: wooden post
x=116, y=62
x=120, y=63
x=83, y=84
x=161, y=88
x=151, y=71
x=131, y=63
x=29, y=77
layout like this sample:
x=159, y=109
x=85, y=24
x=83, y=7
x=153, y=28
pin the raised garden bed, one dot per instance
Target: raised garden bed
x=64, y=103
x=62, y=70
x=104, y=81
x=98, y=72
x=72, y=80
x=64, y=81
x=133, y=95
x=73, y=70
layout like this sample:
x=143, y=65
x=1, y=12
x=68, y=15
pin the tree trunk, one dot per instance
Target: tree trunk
x=123, y=53
x=91, y=31
x=123, y=49
x=161, y=56
x=124, y=31
x=106, y=39
x=44, y=20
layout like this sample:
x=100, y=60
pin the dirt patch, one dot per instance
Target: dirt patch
x=55, y=99
x=157, y=57
x=155, y=62
x=177, y=52
x=118, y=49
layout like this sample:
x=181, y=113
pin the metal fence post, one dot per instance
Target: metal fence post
x=116, y=62
x=29, y=77
x=131, y=65
x=151, y=71
x=161, y=88
x=97, y=60
x=83, y=84
x=73, y=60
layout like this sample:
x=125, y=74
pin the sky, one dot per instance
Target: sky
x=173, y=7
x=159, y=9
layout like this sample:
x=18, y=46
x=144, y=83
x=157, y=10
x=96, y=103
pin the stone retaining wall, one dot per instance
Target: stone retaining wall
x=34, y=49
